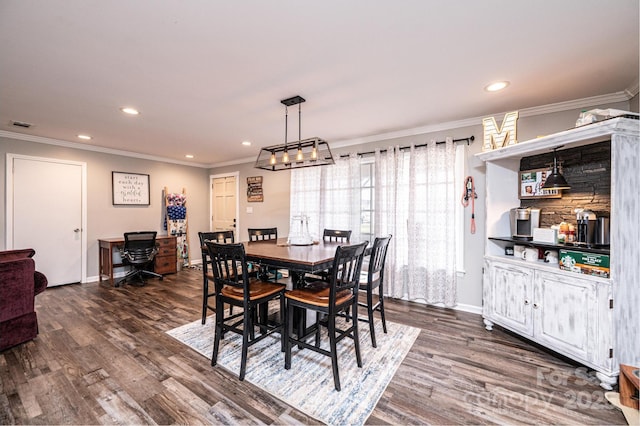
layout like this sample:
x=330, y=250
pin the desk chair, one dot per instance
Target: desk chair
x=235, y=287
x=341, y=294
x=374, y=278
x=216, y=236
x=139, y=251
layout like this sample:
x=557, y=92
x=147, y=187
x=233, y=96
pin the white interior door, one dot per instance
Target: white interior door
x=45, y=211
x=224, y=203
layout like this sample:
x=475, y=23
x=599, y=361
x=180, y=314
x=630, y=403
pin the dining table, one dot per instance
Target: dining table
x=298, y=259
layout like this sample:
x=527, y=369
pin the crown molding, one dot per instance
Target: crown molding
x=84, y=147
x=622, y=96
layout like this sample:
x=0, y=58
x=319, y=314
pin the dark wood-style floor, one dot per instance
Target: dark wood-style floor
x=102, y=357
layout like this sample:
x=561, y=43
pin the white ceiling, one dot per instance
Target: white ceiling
x=208, y=74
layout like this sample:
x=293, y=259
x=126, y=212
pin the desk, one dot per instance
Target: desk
x=165, y=262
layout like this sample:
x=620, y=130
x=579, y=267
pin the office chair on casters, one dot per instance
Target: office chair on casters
x=139, y=251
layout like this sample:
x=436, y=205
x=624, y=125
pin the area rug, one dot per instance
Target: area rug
x=308, y=385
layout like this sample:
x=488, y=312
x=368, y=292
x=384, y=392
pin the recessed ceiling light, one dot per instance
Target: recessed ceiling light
x=130, y=111
x=246, y=143
x=498, y=85
x=189, y=155
x=84, y=137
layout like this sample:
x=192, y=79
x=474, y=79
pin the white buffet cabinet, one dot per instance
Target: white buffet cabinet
x=592, y=320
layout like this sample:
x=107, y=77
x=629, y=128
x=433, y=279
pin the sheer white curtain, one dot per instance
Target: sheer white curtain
x=415, y=202
x=329, y=196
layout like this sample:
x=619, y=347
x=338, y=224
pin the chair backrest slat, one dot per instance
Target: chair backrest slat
x=345, y=273
x=377, y=260
x=260, y=234
x=216, y=236
x=337, y=235
x=229, y=265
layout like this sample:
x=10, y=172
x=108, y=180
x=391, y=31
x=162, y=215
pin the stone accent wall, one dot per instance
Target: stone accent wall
x=588, y=171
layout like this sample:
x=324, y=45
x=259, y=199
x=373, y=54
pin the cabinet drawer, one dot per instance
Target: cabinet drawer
x=166, y=251
x=166, y=242
x=165, y=264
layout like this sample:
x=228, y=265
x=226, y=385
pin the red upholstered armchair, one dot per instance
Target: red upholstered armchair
x=19, y=284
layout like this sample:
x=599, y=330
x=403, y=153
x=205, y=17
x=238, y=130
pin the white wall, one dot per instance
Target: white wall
x=105, y=220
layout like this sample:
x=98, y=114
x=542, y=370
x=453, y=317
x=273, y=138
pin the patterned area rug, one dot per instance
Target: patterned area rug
x=308, y=385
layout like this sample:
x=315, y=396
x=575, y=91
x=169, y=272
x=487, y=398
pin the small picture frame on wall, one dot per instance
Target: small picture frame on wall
x=530, y=185
x=130, y=189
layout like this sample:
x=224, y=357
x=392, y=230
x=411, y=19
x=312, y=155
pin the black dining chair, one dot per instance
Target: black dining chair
x=207, y=275
x=265, y=234
x=139, y=251
x=235, y=287
x=329, y=235
x=328, y=302
x=374, y=278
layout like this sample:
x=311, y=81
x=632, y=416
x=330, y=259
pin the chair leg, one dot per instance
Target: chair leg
x=205, y=300
x=370, y=314
x=288, y=332
x=248, y=329
x=282, y=323
x=381, y=309
x=219, y=331
x=317, y=329
x=334, y=351
x=356, y=338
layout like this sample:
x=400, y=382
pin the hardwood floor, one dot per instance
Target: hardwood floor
x=102, y=357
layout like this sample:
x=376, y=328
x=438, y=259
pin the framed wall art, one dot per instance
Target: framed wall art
x=130, y=189
x=531, y=182
x=254, y=189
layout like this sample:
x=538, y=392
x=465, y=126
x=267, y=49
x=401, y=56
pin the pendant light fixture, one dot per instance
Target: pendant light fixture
x=555, y=180
x=309, y=152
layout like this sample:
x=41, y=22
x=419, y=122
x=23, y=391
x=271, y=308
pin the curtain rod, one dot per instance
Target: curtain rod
x=403, y=148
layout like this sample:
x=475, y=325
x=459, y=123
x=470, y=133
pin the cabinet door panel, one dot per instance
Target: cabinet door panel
x=564, y=313
x=510, y=301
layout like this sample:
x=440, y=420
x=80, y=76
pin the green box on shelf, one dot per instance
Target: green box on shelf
x=585, y=263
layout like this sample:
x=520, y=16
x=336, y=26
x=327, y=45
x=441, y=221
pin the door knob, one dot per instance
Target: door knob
x=76, y=230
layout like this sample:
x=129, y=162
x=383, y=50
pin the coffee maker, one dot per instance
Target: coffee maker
x=586, y=230
x=523, y=221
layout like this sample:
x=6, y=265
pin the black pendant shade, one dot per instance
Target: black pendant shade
x=555, y=180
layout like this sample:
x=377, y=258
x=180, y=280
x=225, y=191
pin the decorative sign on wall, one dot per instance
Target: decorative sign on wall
x=531, y=182
x=495, y=137
x=130, y=189
x=254, y=189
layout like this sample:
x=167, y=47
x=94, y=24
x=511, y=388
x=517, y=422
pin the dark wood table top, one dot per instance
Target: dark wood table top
x=277, y=253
